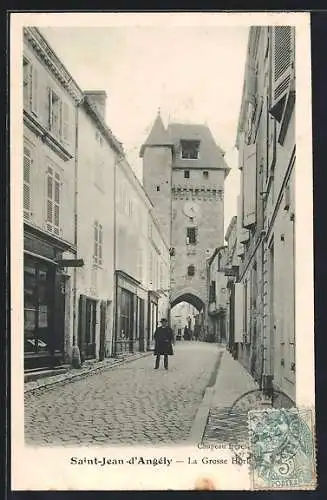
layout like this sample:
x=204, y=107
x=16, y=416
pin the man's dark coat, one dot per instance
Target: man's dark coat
x=163, y=337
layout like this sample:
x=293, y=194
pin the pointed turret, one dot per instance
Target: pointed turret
x=157, y=137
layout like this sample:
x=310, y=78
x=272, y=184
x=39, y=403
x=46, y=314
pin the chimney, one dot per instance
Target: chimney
x=98, y=98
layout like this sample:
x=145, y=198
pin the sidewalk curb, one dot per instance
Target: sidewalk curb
x=74, y=377
x=201, y=418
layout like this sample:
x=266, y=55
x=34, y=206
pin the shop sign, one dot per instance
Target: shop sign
x=70, y=262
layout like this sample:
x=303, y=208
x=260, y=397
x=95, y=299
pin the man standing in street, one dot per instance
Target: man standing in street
x=163, y=338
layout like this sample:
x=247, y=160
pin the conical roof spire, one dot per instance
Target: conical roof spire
x=158, y=135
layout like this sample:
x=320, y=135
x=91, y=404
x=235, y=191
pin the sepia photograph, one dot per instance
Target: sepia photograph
x=159, y=220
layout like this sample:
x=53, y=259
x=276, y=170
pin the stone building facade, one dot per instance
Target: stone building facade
x=266, y=212
x=96, y=265
x=218, y=296
x=50, y=99
x=183, y=173
x=141, y=265
x=98, y=152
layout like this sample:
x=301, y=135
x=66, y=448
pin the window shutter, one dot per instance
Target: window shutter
x=49, y=109
x=66, y=123
x=30, y=86
x=27, y=183
x=56, y=203
x=238, y=312
x=82, y=327
x=240, y=150
x=34, y=91
x=60, y=120
x=271, y=143
x=247, y=305
x=53, y=201
x=25, y=83
x=282, y=66
x=242, y=233
x=49, y=199
x=249, y=185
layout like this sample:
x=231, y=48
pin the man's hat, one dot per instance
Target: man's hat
x=163, y=320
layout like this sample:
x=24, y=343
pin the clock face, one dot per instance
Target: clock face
x=191, y=209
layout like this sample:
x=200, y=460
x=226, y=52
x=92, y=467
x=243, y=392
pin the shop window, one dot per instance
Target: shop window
x=38, y=308
x=190, y=150
x=53, y=201
x=27, y=182
x=126, y=315
x=98, y=243
x=30, y=87
x=87, y=326
x=186, y=174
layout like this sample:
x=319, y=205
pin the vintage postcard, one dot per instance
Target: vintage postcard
x=161, y=252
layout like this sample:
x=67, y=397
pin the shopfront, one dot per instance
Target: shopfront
x=127, y=314
x=152, y=318
x=44, y=301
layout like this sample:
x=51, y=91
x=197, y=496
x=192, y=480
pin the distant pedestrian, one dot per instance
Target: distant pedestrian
x=186, y=333
x=163, y=338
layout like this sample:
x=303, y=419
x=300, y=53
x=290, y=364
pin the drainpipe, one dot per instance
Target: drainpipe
x=115, y=301
x=114, y=325
x=170, y=239
x=76, y=355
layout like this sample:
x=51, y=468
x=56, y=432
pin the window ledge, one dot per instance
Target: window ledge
x=46, y=136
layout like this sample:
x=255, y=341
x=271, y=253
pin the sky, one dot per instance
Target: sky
x=193, y=74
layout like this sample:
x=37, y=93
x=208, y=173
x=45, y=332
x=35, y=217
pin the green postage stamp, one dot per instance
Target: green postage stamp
x=282, y=449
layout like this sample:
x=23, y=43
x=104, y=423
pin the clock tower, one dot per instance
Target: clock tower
x=197, y=172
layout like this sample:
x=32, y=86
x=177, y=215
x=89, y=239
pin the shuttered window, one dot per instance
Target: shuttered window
x=98, y=243
x=27, y=182
x=249, y=185
x=283, y=38
x=30, y=87
x=55, y=114
x=53, y=201
x=66, y=123
x=243, y=234
x=238, y=312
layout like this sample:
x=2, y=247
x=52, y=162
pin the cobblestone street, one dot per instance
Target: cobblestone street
x=130, y=404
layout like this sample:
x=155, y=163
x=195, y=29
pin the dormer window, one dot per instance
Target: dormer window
x=190, y=150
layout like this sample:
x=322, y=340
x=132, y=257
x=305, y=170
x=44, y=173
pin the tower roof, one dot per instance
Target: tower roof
x=157, y=137
x=211, y=155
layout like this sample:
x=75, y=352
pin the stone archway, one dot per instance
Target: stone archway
x=191, y=299
x=187, y=295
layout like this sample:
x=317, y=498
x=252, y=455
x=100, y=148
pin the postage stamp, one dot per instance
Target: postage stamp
x=282, y=448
